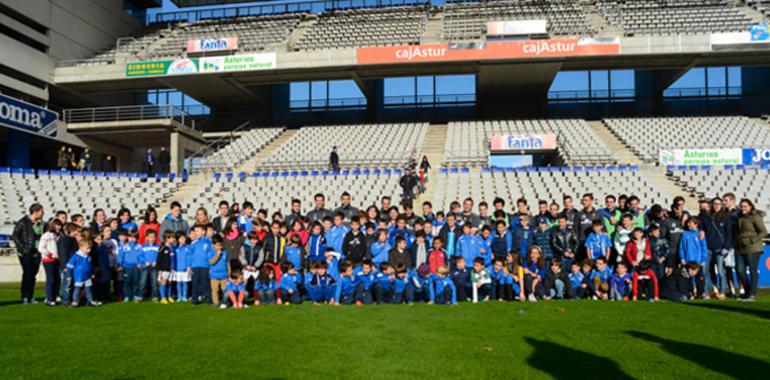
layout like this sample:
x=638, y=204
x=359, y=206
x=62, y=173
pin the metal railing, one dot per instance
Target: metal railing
x=703, y=92
x=199, y=161
x=347, y=160
x=127, y=113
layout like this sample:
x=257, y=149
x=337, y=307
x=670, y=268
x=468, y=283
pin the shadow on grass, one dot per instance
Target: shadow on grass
x=568, y=363
x=748, y=309
x=725, y=362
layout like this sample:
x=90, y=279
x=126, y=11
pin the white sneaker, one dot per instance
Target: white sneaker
x=223, y=306
x=532, y=298
x=245, y=306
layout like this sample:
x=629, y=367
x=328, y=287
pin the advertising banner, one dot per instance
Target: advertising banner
x=212, y=44
x=246, y=62
x=756, y=156
x=757, y=37
x=27, y=117
x=228, y=63
x=525, y=143
x=516, y=28
x=701, y=156
x=565, y=47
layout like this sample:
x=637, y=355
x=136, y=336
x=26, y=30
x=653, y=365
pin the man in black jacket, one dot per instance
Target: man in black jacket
x=220, y=220
x=408, y=182
x=319, y=212
x=294, y=215
x=346, y=209
x=26, y=235
x=564, y=242
x=334, y=159
x=354, y=245
x=584, y=222
x=164, y=160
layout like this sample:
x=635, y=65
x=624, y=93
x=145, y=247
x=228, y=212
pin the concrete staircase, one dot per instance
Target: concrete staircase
x=621, y=151
x=598, y=22
x=193, y=185
x=657, y=175
x=755, y=16
x=433, y=29
x=298, y=32
x=434, y=149
x=251, y=164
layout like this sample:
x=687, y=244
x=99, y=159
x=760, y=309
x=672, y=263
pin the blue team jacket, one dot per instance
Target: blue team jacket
x=379, y=252
x=442, y=283
x=316, y=245
x=290, y=281
x=367, y=280
x=150, y=254
x=219, y=269
x=79, y=267
x=345, y=287
x=691, y=248
x=468, y=246
x=200, y=253
x=130, y=255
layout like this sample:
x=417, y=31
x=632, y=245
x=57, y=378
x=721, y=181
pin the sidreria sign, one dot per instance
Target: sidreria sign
x=27, y=117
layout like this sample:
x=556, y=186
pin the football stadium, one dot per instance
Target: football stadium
x=385, y=189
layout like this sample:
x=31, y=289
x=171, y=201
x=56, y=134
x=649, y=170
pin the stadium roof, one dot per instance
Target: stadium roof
x=201, y=3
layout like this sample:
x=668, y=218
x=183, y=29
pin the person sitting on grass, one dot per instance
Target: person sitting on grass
x=445, y=292
x=557, y=282
x=289, y=285
x=322, y=285
x=402, y=286
x=620, y=283
x=600, y=279
x=366, y=277
x=265, y=287
x=516, y=271
x=501, y=281
x=534, y=274
x=576, y=282
x=422, y=288
x=79, y=270
x=679, y=286
x=645, y=282
x=481, y=282
x=347, y=290
x=462, y=278
x=383, y=286
x=235, y=291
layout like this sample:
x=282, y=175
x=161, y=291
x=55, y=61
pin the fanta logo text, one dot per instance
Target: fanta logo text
x=416, y=52
x=525, y=142
x=214, y=44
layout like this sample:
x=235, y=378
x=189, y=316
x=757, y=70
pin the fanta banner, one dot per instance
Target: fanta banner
x=757, y=37
x=516, y=28
x=701, y=157
x=566, y=47
x=212, y=44
x=27, y=117
x=522, y=143
x=243, y=62
x=756, y=156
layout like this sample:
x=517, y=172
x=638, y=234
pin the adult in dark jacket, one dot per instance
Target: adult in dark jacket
x=66, y=246
x=26, y=235
x=295, y=214
x=346, y=209
x=672, y=229
x=108, y=164
x=749, y=247
x=584, y=221
x=549, y=283
x=679, y=286
x=564, y=242
x=319, y=212
x=221, y=220
x=164, y=160
x=334, y=159
x=408, y=182
x=718, y=227
x=149, y=162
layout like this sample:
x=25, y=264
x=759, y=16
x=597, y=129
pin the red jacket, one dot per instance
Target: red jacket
x=436, y=259
x=648, y=274
x=143, y=232
x=632, y=252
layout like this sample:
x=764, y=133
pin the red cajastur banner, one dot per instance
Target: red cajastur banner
x=491, y=50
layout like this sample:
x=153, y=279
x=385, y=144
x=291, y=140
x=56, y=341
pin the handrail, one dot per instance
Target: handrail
x=197, y=161
x=127, y=113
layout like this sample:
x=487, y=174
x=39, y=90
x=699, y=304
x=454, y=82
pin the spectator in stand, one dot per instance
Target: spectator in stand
x=749, y=247
x=108, y=164
x=174, y=221
x=150, y=223
x=334, y=159
x=220, y=220
x=62, y=158
x=26, y=236
x=164, y=161
x=84, y=163
x=408, y=182
x=149, y=162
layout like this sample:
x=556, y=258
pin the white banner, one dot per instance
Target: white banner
x=244, y=62
x=516, y=28
x=701, y=156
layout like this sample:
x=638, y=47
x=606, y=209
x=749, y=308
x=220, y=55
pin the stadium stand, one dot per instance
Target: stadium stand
x=544, y=183
x=244, y=147
x=709, y=182
x=79, y=193
x=761, y=6
x=645, y=17
x=647, y=136
x=275, y=190
x=254, y=33
x=466, y=20
x=365, y=27
x=132, y=47
x=365, y=145
x=468, y=141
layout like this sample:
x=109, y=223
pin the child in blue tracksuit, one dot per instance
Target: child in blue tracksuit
x=130, y=259
x=289, y=285
x=219, y=260
x=366, y=277
x=446, y=292
x=576, y=279
x=336, y=234
x=79, y=269
x=294, y=253
x=468, y=246
x=235, y=291
x=181, y=265
x=200, y=249
x=316, y=243
x=347, y=290
x=333, y=264
x=400, y=285
x=383, y=286
x=321, y=286
x=598, y=243
x=461, y=276
x=502, y=283
x=380, y=248
x=485, y=246
x=620, y=283
x=402, y=231
x=694, y=249
x=149, y=276
x=421, y=287
x=265, y=286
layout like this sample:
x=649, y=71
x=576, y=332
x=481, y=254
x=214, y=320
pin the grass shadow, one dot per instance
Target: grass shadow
x=748, y=309
x=728, y=363
x=563, y=362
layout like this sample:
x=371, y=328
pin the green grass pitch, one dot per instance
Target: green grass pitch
x=563, y=340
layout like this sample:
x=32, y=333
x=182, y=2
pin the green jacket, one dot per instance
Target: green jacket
x=751, y=231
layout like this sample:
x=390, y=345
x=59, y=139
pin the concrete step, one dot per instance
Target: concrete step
x=598, y=22
x=657, y=176
x=434, y=149
x=250, y=165
x=433, y=29
x=298, y=32
x=193, y=185
x=624, y=155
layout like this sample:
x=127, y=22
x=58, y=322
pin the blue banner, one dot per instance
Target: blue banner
x=756, y=156
x=759, y=32
x=27, y=117
x=764, y=268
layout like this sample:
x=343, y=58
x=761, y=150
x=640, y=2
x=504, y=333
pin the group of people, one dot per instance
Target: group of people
x=69, y=160
x=389, y=254
x=160, y=164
